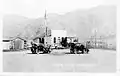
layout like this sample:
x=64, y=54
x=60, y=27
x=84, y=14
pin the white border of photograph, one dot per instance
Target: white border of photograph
x=117, y=2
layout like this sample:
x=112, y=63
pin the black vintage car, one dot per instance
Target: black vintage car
x=78, y=48
x=36, y=48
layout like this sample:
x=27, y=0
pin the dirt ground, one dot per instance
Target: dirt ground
x=60, y=61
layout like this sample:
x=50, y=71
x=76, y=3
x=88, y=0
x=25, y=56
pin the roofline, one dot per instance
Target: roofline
x=19, y=38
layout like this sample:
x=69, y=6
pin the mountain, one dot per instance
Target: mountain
x=12, y=25
x=80, y=22
x=83, y=22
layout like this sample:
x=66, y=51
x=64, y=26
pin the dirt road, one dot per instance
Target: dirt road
x=60, y=61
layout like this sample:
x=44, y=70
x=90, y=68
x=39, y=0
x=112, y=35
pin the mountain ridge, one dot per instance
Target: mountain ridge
x=79, y=22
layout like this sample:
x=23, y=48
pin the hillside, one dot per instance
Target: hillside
x=80, y=22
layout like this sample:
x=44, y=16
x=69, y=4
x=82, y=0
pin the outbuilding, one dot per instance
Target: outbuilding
x=18, y=43
x=6, y=44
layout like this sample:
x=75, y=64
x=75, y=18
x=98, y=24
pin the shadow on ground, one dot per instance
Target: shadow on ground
x=57, y=53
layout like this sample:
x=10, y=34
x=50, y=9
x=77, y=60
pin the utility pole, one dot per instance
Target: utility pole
x=92, y=41
x=94, y=37
x=46, y=29
x=45, y=23
x=95, y=32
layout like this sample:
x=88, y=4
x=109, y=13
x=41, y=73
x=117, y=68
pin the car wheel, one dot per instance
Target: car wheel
x=82, y=52
x=32, y=50
x=49, y=51
x=78, y=52
x=87, y=51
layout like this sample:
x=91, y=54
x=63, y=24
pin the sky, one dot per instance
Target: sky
x=36, y=8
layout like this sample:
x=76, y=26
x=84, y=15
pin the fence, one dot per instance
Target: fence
x=100, y=45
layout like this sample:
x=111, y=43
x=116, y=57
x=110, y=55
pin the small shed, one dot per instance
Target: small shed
x=18, y=43
x=6, y=44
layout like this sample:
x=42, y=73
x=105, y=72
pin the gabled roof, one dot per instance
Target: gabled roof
x=14, y=38
x=39, y=36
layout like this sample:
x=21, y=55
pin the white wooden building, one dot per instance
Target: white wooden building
x=57, y=36
x=6, y=44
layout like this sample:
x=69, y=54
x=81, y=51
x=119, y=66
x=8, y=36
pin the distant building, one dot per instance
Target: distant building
x=57, y=36
x=6, y=44
x=111, y=42
x=52, y=38
x=72, y=38
x=18, y=43
x=15, y=43
x=43, y=38
x=52, y=35
x=39, y=39
x=102, y=42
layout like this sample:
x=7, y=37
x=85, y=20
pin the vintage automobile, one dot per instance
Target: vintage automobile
x=36, y=48
x=77, y=48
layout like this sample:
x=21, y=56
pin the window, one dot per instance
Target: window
x=6, y=40
x=58, y=38
x=54, y=39
x=43, y=40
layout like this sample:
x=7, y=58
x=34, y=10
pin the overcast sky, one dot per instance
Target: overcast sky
x=36, y=8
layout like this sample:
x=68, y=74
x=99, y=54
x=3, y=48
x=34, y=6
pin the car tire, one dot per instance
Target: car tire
x=77, y=52
x=82, y=52
x=32, y=50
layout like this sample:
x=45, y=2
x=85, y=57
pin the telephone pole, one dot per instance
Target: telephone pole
x=45, y=23
x=95, y=38
x=46, y=28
